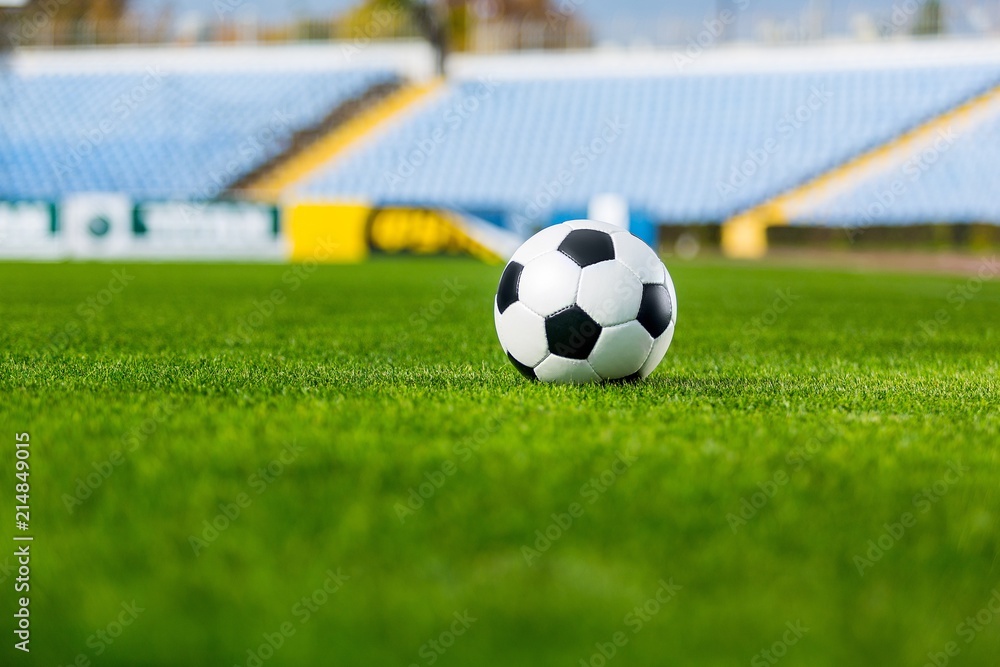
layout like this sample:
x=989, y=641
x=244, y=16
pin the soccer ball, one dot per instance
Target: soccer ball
x=585, y=301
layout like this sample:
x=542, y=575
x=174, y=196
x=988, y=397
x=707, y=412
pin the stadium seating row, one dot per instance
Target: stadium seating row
x=952, y=180
x=679, y=148
x=153, y=134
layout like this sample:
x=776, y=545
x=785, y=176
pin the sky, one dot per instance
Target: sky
x=653, y=21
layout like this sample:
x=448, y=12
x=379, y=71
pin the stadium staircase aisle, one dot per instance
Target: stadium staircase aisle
x=345, y=128
x=745, y=234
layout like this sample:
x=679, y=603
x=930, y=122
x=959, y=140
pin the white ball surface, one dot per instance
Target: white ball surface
x=621, y=350
x=524, y=333
x=585, y=301
x=610, y=292
x=549, y=283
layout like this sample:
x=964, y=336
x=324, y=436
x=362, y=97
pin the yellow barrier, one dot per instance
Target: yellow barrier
x=419, y=231
x=327, y=232
x=350, y=231
x=745, y=236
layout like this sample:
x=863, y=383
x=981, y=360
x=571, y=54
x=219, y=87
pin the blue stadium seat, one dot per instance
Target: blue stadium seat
x=957, y=181
x=681, y=148
x=181, y=135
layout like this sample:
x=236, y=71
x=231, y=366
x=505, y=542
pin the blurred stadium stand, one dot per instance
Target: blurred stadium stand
x=156, y=134
x=681, y=149
x=527, y=140
x=519, y=140
x=956, y=181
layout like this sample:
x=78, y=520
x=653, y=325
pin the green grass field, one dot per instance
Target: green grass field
x=797, y=414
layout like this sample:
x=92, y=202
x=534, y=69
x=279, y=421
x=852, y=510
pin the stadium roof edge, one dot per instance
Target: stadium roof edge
x=725, y=59
x=413, y=58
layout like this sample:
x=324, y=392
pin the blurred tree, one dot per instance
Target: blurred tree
x=524, y=9
x=6, y=30
x=930, y=21
x=432, y=21
x=9, y=28
x=445, y=24
x=374, y=19
x=75, y=10
x=14, y=31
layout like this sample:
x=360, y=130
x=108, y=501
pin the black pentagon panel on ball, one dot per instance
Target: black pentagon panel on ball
x=507, y=291
x=588, y=246
x=655, y=310
x=572, y=333
x=526, y=371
